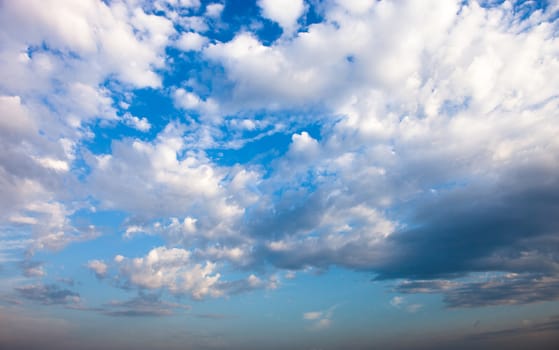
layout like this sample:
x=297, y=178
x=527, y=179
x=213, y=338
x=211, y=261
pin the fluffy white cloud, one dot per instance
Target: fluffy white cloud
x=214, y=10
x=176, y=183
x=413, y=101
x=171, y=269
x=98, y=267
x=56, y=58
x=191, y=41
x=138, y=123
x=449, y=109
x=285, y=13
x=111, y=38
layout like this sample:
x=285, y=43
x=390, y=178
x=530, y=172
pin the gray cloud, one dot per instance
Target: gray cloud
x=521, y=289
x=478, y=291
x=32, y=268
x=144, y=305
x=48, y=294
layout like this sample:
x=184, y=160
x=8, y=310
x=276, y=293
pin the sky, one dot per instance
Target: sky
x=279, y=174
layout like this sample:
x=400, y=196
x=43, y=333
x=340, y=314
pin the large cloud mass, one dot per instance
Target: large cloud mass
x=420, y=142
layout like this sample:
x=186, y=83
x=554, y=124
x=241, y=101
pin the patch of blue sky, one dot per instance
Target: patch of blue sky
x=453, y=107
x=522, y=9
x=241, y=15
x=262, y=147
x=151, y=104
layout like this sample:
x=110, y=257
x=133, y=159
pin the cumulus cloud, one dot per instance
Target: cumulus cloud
x=443, y=137
x=171, y=269
x=177, y=271
x=53, y=88
x=284, y=13
x=191, y=41
x=214, y=10
x=98, y=267
x=125, y=35
x=139, y=123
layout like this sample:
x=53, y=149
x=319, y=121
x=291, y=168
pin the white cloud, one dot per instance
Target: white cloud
x=214, y=10
x=186, y=99
x=173, y=229
x=320, y=319
x=303, y=145
x=401, y=303
x=31, y=269
x=98, y=267
x=171, y=269
x=56, y=58
x=54, y=164
x=142, y=124
x=191, y=41
x=397, y=301
x=285, y=13
x=127, y=42
x=410, y=97
x=239, y=255
x=16, y=120
x=453, y=93
x=313, y=315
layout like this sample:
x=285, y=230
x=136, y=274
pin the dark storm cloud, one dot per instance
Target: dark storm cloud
x=509, y=226
x=522, y=289
x=513, y=226
x=509, y=289
x=48, y=294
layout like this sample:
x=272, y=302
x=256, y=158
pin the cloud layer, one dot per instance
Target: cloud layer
x=412, y=140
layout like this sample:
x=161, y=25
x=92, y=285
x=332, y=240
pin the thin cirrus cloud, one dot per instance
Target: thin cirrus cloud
x=202, y=150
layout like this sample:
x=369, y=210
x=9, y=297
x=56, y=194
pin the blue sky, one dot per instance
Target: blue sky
x=187, y=174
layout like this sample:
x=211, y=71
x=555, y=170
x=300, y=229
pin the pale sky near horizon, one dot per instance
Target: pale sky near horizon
x=279, y=174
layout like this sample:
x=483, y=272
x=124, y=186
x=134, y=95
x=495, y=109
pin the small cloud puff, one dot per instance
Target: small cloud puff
x=98, y=267
x=320, y=319
x=141, y=124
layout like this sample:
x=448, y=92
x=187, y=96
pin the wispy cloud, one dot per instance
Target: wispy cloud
x=320, y=320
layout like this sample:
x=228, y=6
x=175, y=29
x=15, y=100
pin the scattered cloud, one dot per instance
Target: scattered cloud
x=495, y=289
x=144, y=305
x=401, y=303
x=285, y=15
x=48, y=294
x=411, y=140
x=214, y=10
x=320, y=320
x=98, y=267
x=191, y=41
x=173, y=270
x=141, y=124
x=33, y=269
